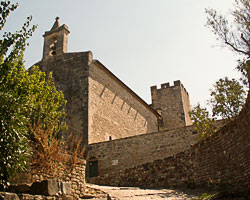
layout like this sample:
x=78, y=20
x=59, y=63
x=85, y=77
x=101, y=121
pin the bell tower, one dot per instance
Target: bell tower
x=55, y=40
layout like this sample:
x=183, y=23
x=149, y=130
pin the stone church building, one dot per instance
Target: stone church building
x=107, y=114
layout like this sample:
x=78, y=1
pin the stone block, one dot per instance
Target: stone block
x=8, y=196
x=66, y=188
x=46, y=187
x=67, y=198
x=19, y=188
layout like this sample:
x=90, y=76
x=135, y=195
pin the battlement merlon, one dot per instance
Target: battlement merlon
x=167, y=85
x=177, y=83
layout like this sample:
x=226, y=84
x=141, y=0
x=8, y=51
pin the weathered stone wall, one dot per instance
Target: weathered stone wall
x=222, y=159
x=99, y=106
x=173, y=104
x=129, y=152
x=13, y=196
x=38, y=197
x=114, y=111
x=73, y=174
x=70, y=71
x=55, y=41
x=186, y=105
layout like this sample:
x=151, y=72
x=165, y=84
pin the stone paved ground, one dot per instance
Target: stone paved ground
x=132, y=193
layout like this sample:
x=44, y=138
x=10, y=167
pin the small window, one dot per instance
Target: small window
x=53, y=47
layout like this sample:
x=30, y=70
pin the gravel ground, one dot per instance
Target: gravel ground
x=133, y=193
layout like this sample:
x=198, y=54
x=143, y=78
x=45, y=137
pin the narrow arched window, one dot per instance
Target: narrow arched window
x=53, y=46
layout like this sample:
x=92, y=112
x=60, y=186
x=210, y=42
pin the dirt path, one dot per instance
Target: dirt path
x=132, y=193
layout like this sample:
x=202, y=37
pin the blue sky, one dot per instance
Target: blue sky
x=143, y=42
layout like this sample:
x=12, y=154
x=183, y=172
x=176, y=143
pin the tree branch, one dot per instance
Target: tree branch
x=244, y=39
x=234, y=48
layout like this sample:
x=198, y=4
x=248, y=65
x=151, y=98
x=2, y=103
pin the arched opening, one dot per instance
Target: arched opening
x=53, y=47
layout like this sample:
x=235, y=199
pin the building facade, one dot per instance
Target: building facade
x=100, y=107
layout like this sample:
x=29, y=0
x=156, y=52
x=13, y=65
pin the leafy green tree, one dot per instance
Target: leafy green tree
x=26, y=97
x=203, y=124
x=234, y=34
x=46, y=103
x=227, y=98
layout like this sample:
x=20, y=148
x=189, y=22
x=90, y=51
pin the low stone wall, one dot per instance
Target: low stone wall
x=128, y=152
x=38, y=197
x=75, y=175
x=13, y=196
x=49, y=190
x=222, y=159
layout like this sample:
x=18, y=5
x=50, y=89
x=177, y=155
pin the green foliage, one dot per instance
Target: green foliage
x=203, y=124
x=46, y=103
x=25, y=97
x=13, y=98
x=205, y=196
x=244, y=67
x=227, y=98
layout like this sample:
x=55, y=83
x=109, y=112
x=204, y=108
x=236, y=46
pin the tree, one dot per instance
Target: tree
x=227, y=98
x=236, y=34
x=203, y=124
x=26, y=97
x=46, y=104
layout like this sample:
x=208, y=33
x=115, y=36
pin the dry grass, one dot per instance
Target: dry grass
x=50, y=154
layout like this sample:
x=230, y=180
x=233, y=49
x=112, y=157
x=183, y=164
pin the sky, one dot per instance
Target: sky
x=143, y=42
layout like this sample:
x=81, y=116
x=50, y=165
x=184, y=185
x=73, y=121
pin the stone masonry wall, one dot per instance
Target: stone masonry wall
x=129, y=152
x=222, y=159
x=173, y=104
x=113, y=110
x=186, y=106
x=70, y=71
x=13, y=196
x=75, y=175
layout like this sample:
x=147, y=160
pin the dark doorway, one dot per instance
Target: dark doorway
x=93, y=168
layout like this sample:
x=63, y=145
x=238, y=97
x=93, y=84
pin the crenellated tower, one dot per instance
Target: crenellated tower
x=55, y=40
x=172, y=102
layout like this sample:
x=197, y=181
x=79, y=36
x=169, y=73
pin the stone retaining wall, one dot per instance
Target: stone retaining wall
x=128, y=152
x=74, y=175
x=13, y=196
x=222, y=159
